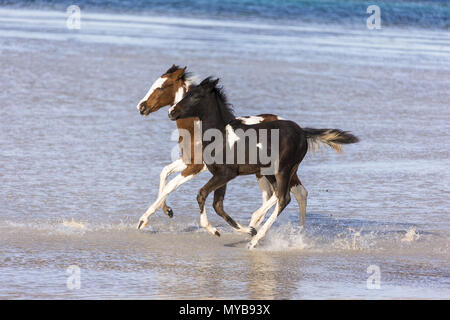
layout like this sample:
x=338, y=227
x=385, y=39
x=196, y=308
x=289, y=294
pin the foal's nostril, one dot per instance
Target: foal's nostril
x=172, y=115
x=142, y=107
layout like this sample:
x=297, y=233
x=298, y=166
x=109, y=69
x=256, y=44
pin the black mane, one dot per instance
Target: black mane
x=225, y=108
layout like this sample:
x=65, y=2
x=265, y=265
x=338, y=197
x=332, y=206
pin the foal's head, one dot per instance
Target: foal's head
x=195, y=102
x=167, y=90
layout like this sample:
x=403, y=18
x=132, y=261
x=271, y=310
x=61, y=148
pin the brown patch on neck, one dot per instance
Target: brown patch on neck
x=188, y=147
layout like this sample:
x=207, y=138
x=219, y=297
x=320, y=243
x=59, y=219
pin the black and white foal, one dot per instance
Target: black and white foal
x=208, y=103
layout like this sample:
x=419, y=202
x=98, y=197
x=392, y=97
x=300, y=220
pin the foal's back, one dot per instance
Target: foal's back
x=292, y=142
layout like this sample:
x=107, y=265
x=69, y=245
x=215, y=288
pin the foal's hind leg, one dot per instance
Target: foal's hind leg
x=219, y=195
x=297, y=189
x=176, y=166
x=301, y=195
x=268, y=185
x=284, y=198
x=265, y=186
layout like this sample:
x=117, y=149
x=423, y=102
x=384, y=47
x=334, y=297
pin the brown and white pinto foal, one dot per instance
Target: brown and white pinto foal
x=168, y=90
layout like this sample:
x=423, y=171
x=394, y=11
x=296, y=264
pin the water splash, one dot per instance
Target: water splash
x=74, y=224
x=411, y=235
x=350, y=241
x=286, y=237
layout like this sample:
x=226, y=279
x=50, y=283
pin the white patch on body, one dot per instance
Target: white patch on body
x=251, y=120
x=232, y=137
x=157, y=84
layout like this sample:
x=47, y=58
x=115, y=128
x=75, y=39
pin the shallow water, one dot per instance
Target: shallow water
x=79, y=165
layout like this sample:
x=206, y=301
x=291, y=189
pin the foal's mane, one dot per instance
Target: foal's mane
x=187, y=76
x=225, y=108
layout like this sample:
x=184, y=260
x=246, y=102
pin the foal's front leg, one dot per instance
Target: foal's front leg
x=171, y=186
x=176, y=166
x=219, y=195
x=214, y=183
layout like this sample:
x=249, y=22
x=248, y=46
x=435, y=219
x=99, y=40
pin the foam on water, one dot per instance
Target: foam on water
x=74, y=224
x=411, y=235
x=284, y=237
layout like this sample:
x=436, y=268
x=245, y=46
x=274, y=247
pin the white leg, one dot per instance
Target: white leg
x=258, y=215
x=170, y=187
x=262, y=232
x=176, y=166
x=301, y=194
x=267, y=192
x=205, y=223
x=265, y=187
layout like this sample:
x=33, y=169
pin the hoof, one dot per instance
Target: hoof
x=142, y=224
x=253, y=231
x=169, y=212
x=251, y=246
x=217, y=233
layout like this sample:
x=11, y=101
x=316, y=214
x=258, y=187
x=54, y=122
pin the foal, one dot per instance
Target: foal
x=169, y=89
x=209, y=104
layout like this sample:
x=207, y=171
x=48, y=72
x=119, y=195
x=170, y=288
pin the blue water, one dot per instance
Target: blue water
x=427, y=14
x=79, y=165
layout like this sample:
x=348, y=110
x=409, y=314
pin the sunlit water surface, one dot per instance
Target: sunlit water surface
x=79, y=165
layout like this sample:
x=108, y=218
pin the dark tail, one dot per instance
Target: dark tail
x=335, y=138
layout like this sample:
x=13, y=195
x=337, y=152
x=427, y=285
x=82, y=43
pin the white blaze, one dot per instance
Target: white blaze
x=157, y=84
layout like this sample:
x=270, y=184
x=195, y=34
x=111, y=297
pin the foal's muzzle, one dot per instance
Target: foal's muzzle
x=142, y=108
x=173, y=115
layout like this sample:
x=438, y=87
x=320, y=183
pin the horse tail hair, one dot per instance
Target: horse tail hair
x=335, y=138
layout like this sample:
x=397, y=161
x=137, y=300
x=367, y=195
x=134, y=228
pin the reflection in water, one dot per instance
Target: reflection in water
x=262, y=281
x=268, y=273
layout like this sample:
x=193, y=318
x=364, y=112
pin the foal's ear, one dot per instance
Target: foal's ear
x=208, y=83
x=214, y=83
x=170, y=70
x=179, y=73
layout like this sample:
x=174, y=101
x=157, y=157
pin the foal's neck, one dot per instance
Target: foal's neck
x=212, y=116
x=188, y=123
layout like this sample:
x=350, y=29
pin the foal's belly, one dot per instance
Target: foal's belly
x=245, y=169
x=239, y=170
